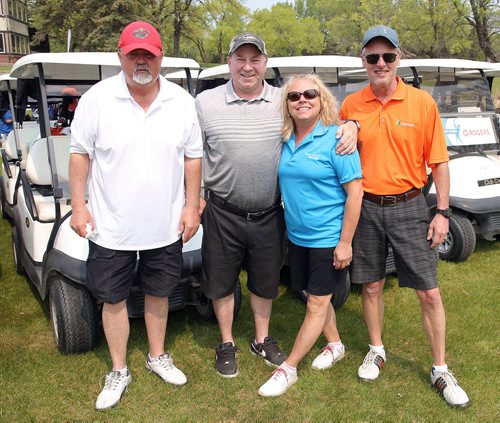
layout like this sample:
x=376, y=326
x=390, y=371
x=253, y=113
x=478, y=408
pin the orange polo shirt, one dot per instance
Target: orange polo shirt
x=397, y=139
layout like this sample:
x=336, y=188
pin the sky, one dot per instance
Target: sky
x=262, y=4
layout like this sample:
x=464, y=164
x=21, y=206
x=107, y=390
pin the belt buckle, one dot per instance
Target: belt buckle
x=389, y=200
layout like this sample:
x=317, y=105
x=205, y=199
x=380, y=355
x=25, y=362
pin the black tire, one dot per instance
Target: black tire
x=340, y=295
x=73, y=312
x=461, y=239
x=16, y=252
x=205, y=308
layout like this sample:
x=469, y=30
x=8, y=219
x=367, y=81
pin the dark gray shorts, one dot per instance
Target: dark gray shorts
x=404, y=226
x=231, y=242
x=312, y=269
x=110, y=273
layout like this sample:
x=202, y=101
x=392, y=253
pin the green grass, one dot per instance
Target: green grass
x=38, y=383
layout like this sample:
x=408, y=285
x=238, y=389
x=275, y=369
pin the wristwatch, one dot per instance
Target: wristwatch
x=355, y=121
x=444, y=212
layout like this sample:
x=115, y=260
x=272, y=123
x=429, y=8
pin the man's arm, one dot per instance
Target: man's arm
x=190, y=218
x=348, y=134
x=438, y=228
x=78, y=174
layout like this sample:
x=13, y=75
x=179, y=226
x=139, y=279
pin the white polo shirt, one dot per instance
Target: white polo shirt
x=136, y=178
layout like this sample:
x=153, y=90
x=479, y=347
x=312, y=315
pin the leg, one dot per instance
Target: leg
x=373, y=309
x=433, y=319
x=116, y=329
x=155, y=317
x=224, y=311
x=314, y=323
x=261, y=308
x=330, y=330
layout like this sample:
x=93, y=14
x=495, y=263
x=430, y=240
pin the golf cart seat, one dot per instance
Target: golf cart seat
x=27, y=135
x=38, y=172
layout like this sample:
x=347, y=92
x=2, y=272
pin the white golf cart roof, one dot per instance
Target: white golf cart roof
x=83, y=66
x=452, y=67
x=4, y=78
x=292, y=65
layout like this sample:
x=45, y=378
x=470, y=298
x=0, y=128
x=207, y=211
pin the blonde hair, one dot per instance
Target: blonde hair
x=329, y=109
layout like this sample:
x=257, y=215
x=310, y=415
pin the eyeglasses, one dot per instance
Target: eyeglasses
x=294, y=96
x=373, y=59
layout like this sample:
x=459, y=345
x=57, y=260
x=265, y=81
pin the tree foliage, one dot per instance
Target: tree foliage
x=202, y=29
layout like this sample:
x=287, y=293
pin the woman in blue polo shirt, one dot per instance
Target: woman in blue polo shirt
x=322, y=196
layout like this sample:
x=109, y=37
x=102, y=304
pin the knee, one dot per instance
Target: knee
x=430, y=298
x=317, y=305
x=373, y=289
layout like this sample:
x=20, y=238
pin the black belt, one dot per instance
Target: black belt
x=254, y=215
x=390, y=200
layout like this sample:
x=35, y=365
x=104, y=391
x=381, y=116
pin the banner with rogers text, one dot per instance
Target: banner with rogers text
x=468, y=131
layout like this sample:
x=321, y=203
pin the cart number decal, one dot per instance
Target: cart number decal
x=489, y=181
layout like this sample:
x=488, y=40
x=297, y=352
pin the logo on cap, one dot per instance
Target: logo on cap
x=140, y=33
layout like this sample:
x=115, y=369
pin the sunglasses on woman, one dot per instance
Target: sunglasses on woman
x=373, y=59
x=294, y=96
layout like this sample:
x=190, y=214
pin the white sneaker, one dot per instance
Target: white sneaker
x=278, y=384
x=446, y=384
x=164, y=367
x=329, y=355
x=116, y=383
x=372, y=364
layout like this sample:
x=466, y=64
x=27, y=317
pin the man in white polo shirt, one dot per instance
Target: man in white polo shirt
x=136, y=138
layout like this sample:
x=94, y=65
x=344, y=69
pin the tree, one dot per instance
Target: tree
x=285, y=33
x=445, y=35
x=484, y=17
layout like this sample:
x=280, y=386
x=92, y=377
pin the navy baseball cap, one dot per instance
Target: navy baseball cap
x=381, y=31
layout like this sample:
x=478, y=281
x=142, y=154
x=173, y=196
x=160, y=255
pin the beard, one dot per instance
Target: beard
x=142, y=78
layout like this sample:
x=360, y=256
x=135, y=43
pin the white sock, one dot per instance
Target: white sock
x=377, y=348
x=443, y=368
x=336, y=345
x=289, y=369
x=123, y=371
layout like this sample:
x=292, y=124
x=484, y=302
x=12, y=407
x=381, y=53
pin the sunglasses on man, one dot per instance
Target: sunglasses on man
x=294, y=96
x=373, y=59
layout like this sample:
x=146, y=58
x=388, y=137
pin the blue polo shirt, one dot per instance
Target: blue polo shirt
x=310, y=179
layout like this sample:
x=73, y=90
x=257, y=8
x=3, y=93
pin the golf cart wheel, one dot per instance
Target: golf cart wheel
x=340, y=294
x=460, y=242
x=75, y=323
x=16, y=252
x=205, y=308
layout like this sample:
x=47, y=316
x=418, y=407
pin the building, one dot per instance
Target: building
x=14, y=40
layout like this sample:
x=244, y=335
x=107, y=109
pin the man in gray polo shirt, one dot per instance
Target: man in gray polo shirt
x=243, y=220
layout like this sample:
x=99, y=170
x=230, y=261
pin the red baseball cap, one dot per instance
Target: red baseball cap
x=138, y=35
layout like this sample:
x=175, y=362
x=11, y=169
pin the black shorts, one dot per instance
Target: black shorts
x=404, y=226
x=110, y=273
x=231, y=242
x=312, y=269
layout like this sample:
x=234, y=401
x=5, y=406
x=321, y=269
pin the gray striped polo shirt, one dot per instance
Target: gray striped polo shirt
x=242, y=145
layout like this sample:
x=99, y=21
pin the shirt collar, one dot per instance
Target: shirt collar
x=318, y=131
x=123, y=91
x=399, y=94
x=232, y=97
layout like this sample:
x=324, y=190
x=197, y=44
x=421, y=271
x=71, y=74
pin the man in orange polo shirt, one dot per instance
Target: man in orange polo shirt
x=400, y=133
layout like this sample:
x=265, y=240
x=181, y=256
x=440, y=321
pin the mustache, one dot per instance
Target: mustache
x=142, y=68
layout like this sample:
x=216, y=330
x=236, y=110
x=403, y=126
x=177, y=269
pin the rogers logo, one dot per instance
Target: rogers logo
x=476, y=132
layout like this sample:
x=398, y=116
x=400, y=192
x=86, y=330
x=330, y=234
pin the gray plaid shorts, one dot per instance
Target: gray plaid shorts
x=404, y=227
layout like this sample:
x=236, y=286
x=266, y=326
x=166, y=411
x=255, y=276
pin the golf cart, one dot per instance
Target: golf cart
x=44, y=245
x=14, y=148
x=343, y=75
x=462, y=91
